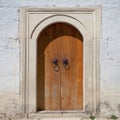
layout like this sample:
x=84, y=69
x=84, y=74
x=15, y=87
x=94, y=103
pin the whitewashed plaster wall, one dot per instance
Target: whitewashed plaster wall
x=109, y=51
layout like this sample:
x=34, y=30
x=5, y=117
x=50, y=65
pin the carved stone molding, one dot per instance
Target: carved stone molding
x=87, y=21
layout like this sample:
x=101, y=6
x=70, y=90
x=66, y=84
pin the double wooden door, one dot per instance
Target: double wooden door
x=63, y=70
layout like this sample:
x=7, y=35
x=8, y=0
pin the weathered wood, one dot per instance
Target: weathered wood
x=61, y=90
x=72, y=79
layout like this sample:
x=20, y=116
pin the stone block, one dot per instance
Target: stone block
x=44, y=115
x=2, y=115
x=100, y=119
x=5, y=118
x=9, y=103
x=62, y=118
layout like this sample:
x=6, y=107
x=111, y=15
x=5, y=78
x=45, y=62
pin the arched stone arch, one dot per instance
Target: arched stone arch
x=60, y=18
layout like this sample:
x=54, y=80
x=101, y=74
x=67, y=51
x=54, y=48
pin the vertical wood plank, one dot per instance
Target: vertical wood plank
x=72, y=79
x=52, y=77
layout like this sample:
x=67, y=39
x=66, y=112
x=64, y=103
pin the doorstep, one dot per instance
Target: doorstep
x=62, y=118
x=58, y=114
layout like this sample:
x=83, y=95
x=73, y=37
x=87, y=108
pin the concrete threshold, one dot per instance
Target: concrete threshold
x=62, y=118
x=58, y=114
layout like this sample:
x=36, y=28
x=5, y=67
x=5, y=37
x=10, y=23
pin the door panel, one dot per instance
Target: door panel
x=52, y=76
x=72, y=79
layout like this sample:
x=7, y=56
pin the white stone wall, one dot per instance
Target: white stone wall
x=10, y=52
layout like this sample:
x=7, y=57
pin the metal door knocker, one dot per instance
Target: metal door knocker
x=66, y=63
x=55, y=64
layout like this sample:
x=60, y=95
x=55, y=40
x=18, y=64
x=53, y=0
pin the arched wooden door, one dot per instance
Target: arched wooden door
x=60, y=68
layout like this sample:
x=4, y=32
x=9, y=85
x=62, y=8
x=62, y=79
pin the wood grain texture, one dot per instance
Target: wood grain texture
x=62, y=90
x=72, y=79
x=52, y=77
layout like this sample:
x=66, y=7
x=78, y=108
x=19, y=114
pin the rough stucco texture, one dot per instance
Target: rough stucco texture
x=109, y=51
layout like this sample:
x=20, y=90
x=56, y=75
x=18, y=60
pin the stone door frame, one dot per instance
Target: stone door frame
x=88, y=22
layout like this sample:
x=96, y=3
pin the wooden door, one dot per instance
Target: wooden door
x=71, y=74
x=61, y=88
x=52, y=76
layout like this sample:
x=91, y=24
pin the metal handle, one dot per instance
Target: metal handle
x=55, y=64
x=66, y=63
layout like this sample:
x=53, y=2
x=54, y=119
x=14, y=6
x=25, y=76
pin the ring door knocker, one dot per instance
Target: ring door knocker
x=55, y=64
x=66, y=63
